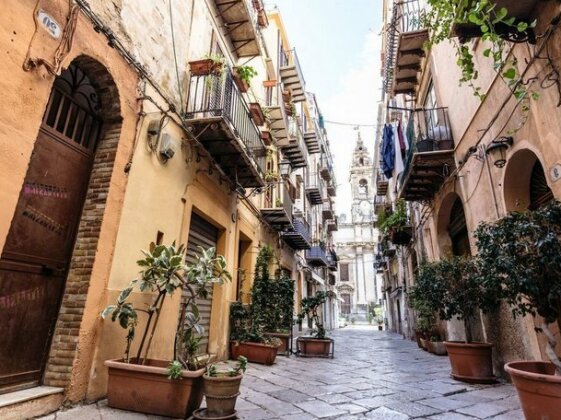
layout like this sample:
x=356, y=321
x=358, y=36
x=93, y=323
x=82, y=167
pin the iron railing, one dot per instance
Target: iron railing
x=316, y=254
x=313, y=181
x=301, y=227
x=407, y=16
x=216, y=95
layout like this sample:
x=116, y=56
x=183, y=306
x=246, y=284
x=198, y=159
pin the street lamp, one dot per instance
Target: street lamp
x=497, y=148
x=284, y=168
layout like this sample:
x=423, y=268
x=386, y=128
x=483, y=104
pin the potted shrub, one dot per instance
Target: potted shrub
x=316, y=345
x=422, y=299
x=212, y=64
x=248, y=335
x=380, y=322
x=436, y=345
x=158, y=386
x=521, y=255
x=221, y=389
x=397, y=226
x=242, y=77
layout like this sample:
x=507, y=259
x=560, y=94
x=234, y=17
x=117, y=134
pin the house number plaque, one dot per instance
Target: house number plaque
x=49, y=24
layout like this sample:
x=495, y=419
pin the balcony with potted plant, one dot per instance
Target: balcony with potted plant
x=163, y=387
x=317, y=344
x=430, y=159
x=396, y=225
x=218, y=115
x=278, y=206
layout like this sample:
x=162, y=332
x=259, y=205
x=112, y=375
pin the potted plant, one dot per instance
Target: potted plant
x=271, y=176
x=521, y=255
x=380, y=322
x=436, y=345
x=422, y=299
x=158, y=386
x=211, y=64
x=242, y=77
x=257, y=113
x=250, y=322
x=316, y=345
x=221, y=389
x=397, y=226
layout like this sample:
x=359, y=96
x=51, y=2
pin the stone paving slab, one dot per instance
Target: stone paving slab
x=374, y=375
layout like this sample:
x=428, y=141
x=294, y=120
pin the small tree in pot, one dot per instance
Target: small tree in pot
x=521, y=255
x=140, y=378
x=318, y=344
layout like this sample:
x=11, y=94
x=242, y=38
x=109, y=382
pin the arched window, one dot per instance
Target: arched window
x=361, y=161
x=363, y=186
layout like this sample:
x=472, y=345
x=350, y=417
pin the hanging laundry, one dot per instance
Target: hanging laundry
x=398, y=160
x=388, y=152
x=401, y=138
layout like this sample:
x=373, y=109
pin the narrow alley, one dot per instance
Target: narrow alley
x=374, y=375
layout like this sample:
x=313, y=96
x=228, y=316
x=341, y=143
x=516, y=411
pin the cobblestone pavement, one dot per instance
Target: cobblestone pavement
x=374, y=374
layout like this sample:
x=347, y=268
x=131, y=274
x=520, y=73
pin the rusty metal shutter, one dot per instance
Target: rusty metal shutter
x=202, y=234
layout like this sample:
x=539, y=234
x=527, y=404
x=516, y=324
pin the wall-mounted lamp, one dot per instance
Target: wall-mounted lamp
x=497, y=150
x=285, y=168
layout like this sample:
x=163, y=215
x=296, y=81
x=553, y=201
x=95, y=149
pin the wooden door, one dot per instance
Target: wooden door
x=38, y=248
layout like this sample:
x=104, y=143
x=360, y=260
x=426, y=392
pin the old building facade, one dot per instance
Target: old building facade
x=453, y=175
x=118, y=145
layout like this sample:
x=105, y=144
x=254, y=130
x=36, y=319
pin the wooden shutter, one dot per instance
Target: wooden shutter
x=202, y=234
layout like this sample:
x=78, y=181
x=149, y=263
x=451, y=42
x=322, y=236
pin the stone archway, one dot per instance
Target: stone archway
x=525, y=182
x=64, y=344
x=452, y=232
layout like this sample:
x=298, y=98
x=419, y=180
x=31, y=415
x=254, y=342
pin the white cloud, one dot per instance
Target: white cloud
x=354, y=101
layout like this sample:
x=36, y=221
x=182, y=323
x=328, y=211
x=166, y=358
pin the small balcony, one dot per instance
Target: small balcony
x=276, y=114
x=331, y=188
x=294, y=148
x=431, y=158
x=327, y=210
x=316, y=256
x=332, y=263
x=291, y=75
x=312, y=143
x=325, y=168
x=381, y=184
x=332, y=225
x=297, y=236
x=314, y=188
x=404, y=50
x=240, y=23
x=277, y=210
x=218, y=116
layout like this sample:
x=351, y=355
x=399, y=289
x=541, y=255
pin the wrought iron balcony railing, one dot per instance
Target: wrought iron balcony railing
x=298, y=235
x=277, y=210
x=316, y=256
x=405, y=37
x=220, y=119
x=314, y=188
x=431, y=154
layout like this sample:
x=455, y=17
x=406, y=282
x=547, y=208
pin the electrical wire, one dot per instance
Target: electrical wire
x=175, y=57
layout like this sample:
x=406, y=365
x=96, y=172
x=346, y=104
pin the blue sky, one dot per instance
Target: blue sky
x=338, y=45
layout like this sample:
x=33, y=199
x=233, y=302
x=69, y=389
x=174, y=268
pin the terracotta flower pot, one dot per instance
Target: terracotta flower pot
x=242, y=85
x=471, y=362
x=255, y=352
x=221, y=394
x=539, y=390
x=314, y=347
x=147, y=389
x=205, y=67
x=285, y=342
x=380, y=327
x=424, y=345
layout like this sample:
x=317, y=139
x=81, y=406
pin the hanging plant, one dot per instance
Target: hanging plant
x=493, y=24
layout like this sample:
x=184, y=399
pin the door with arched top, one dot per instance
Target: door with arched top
x=36, y=256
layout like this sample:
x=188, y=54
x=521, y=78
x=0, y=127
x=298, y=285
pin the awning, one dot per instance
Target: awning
x=318, y=279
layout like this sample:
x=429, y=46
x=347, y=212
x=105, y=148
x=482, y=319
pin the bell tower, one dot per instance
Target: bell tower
x=361, y=179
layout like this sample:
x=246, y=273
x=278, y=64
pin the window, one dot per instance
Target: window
x=363, y=186
x=344, y=272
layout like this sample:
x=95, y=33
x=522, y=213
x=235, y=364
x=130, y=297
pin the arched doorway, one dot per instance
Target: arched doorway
x=51, y=212
x=525, y=182
x=453, y=234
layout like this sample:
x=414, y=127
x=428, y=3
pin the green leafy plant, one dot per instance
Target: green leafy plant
x=398, y=220
x=174, y=370
x=482, y=18
x=310, y=307
x=163, y=272
x=246, y=73
x=520, y=255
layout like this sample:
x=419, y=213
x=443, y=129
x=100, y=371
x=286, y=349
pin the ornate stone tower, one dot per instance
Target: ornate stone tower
x=361, y=178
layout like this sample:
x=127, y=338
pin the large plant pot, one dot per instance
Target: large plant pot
x=255, y=352
x=538, y=389
x=402, y=236
x=221, y=394
x=437, y=347
x=424, y=344
x=147, y=389
x=285, y=342
x=471, y=362
x=418, y=336
x=205, y=67
x=314, y=347
x=242, y=85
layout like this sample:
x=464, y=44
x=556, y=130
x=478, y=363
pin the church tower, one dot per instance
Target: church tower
x=362, y=180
